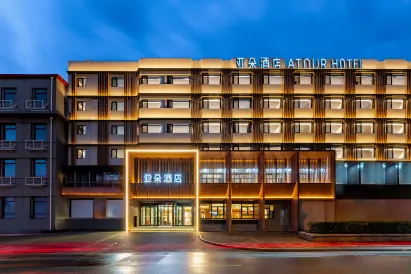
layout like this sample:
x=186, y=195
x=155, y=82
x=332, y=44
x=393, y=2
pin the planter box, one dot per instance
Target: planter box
x=354, y=237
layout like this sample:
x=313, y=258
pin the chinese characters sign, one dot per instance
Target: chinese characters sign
x=162, y=178
x=298, y=63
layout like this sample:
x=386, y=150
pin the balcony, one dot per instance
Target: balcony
x=7, y=105
x=7, y=181
x=7, y=145
x=35, y=181
x=35, y=105
x=35, y=145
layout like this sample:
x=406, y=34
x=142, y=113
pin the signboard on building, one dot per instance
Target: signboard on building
x=162, y=178
x=298, y=63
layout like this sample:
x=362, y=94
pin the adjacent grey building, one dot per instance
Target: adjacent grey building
x=32, y=151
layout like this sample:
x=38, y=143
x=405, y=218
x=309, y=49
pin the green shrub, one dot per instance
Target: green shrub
x=361, y=227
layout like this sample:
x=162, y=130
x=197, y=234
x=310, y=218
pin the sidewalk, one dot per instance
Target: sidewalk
x=273, y=241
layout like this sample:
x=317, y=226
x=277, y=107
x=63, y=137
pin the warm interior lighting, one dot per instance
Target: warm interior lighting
x=126, y=194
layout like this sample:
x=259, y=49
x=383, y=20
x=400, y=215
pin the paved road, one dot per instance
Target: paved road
x=177, y=253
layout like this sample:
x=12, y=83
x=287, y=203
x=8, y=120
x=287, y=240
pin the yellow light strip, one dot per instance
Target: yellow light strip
x=164, y=197
x=126, y=195
x=197, y=191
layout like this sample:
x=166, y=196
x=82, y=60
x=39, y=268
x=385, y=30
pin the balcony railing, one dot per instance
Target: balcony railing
x=93, y=184
x=36, y=105
x=35, y=145
x=8, y=105
x=7, y=145
x=35, y=181
x=7, y=181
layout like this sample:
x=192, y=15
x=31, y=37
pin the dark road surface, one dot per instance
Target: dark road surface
x=180, y=253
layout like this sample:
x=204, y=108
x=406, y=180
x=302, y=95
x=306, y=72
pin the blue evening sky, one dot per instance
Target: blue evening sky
x=41, y=36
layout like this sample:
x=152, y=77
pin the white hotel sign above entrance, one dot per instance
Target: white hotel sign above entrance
x=162, y=178
x=298, y=63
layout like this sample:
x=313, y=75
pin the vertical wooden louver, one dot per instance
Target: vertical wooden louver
x=258, y=134
x=226, y=106
x=196, y=107
x=102, y=114
x=131, y=84
x=319, y=107
x=73, y=117
x=288, y=107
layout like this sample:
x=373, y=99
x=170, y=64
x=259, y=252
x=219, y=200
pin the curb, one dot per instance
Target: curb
x=319, y=249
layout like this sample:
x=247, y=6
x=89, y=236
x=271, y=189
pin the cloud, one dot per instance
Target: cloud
x=42, y=36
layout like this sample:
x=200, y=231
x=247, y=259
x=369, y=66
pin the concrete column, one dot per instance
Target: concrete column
x=228, y=215
x=261, y=215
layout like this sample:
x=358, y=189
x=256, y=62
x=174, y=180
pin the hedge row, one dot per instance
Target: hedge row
x=361, y=228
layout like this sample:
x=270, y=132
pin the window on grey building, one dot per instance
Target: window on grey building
x=38, y=208
x=40, y=94
x=8, y=132
x=8, y=94
x=40, y=132
x=8, y=208
x=8, y=168
x=39, y=168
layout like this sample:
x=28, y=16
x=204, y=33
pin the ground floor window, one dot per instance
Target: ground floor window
x=167, y=214
x=212, y=211
x=244, y=211
x=269, y=212
x=38, y=208
x=82, y=209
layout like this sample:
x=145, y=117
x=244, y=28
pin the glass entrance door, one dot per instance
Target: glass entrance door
x=165, y=215
x=183, y=215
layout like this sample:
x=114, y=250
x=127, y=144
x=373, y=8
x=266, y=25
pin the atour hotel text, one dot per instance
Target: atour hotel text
x=298, y=63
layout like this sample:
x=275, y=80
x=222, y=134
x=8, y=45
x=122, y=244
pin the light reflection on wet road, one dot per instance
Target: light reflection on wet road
x=179, y=253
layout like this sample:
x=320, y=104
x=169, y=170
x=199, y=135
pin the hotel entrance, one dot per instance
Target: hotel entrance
x=166, y=214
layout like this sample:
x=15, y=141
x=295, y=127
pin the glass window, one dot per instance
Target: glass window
x=395, y=103
x=115, y=208
x=365, y=153
x=212, y=211
x=81, y=209
x=302, y=103
x=9, y=168
x=395, y=128
x=273, y=79
x=301, y=127
x=334, y=103
x=40, y=132
x=9, y=94
x=244, y=211
x=269, y=212
x=117, y=106
x=178, y=128
x=272, y=103
x=178, y=104
x=81, y=153
x=211, y=79
x=81, y=105
x=117, y=130
x=364, y=103
x=334, y=127
x=272, y=127
x=212, y=103
x=81, y=130
x=40, y=94
x=211, y=127
x=364, y=127
x=38, y=207
x=40, y=168
x=117, y=82
x=242, y=103
x=10, y=132
x=8, y=207
x=117, y=153
x=81, y=82
x=242, y=127
x=241, y=79
x=395, y=153
x=150, y=128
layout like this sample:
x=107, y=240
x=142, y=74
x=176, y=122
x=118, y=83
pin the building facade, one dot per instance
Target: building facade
x=32, y=151
x=277, y=148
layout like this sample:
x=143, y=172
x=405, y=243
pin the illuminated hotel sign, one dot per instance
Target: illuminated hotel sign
x=162, y=178
x=299, y=63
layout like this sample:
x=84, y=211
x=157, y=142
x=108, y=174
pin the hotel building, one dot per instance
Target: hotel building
x=204, y=144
